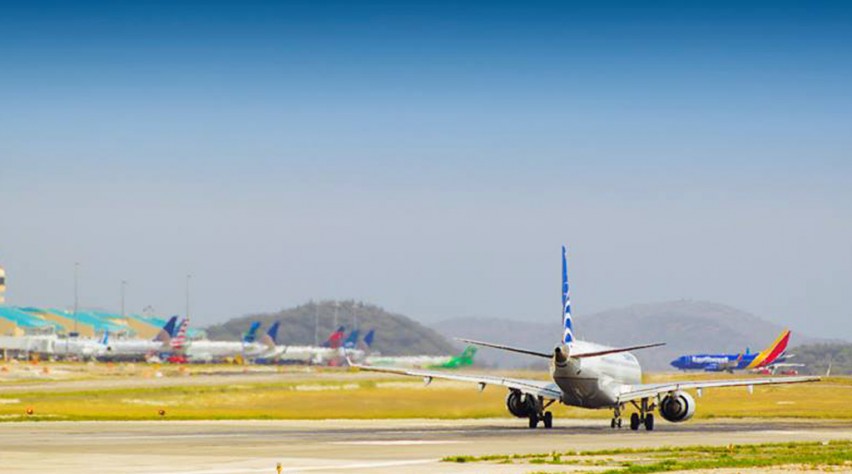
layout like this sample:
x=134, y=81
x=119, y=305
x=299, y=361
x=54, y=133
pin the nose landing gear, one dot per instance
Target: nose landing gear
x=616, y=417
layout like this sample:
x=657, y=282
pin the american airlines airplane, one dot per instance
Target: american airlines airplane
x=589, y=375
x=204, y=350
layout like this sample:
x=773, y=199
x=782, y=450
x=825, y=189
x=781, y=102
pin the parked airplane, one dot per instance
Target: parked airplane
x=335, y=339
x=79, y=347
x=731, y=362
x=202, y=350
x=351, y=342
x=464, y=359
x=590, y=375
x=780, y=366
x=329, y=352
x=140, y=349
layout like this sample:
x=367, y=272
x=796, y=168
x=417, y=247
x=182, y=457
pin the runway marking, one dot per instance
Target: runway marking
x=328, y=467
x=398, y=442
x=108, y=437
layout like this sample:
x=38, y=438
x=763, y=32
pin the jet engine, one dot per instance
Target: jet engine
x=677, y=407
x=519, y=404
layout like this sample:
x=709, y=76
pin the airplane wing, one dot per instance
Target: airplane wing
x=546, y=355
x=636, y=392
x=538, y=388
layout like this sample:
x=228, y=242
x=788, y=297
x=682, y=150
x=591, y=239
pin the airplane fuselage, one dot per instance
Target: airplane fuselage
x=714, y=362
x=595, y=382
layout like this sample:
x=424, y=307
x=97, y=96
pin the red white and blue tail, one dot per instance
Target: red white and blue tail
x=179, y=341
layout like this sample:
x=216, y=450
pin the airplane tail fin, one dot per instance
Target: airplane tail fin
x=768, y=355
x=352, y=341
x=251, y=334
x=178, y=342
x=368, y=339
x=270, y=339
x=468, y=353
x=166, y=333
x=105, y=339
x=335, y=338
x=567, y=322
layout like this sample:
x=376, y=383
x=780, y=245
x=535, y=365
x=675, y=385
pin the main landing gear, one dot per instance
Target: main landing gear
x=644, y=417
x=541, y=415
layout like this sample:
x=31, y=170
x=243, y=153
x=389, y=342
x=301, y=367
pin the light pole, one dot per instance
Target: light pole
x=76, y=295
x=336, y=306
x=188, y=277
x=316, y=325
x=123, y=285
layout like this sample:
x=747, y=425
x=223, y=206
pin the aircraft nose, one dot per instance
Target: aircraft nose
x=676, y=363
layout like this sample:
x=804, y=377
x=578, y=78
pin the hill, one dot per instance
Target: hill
x=817, y=357
x=395, y=333
x=686, y=326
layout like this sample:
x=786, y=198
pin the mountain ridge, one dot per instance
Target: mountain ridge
x=686, y=326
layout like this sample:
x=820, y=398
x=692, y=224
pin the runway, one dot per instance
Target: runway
x=376, y=446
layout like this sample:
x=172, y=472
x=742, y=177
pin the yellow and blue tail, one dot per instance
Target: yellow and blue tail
x=768, y=355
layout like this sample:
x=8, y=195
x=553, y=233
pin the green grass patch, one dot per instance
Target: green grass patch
x=638, y=461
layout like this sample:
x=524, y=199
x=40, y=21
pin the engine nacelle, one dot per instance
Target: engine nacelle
x=677, y=407
x=519, y=404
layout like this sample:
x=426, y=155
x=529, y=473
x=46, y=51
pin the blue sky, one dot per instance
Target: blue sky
x=429, y=157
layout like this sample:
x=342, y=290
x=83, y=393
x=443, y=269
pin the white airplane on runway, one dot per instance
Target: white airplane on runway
x=591, y=375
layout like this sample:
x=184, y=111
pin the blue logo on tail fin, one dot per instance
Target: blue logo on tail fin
x=169, y=328
x=567, y=324
x=368, y=339
x=273, y=332
x=176, y=328
x=105, y=340
x=352, y=340
x=249, y=336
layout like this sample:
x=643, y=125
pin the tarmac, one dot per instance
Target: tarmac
x=375, y=446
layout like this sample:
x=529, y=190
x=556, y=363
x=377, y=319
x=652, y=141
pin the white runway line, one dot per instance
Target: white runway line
x=399, y=442
x=291, y=469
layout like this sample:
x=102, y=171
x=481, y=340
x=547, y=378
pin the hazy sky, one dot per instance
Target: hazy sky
x=429, y=157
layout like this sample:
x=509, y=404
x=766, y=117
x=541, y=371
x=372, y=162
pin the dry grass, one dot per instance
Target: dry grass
x=341, y=394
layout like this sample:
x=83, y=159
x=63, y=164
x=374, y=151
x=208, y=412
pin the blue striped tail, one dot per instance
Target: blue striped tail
x=567, y=323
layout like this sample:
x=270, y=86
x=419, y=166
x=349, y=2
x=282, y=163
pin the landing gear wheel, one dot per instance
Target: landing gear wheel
x=649, y=422
x=548, y=420
x=533, y=420
x=634, y=421
x=619, y=423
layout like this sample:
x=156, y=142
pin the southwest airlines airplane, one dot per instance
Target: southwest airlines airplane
x=589, y=375
x=731, y=362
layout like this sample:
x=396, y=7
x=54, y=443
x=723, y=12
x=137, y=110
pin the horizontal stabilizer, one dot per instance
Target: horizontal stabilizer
x=615, y=350
x=507, y=348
